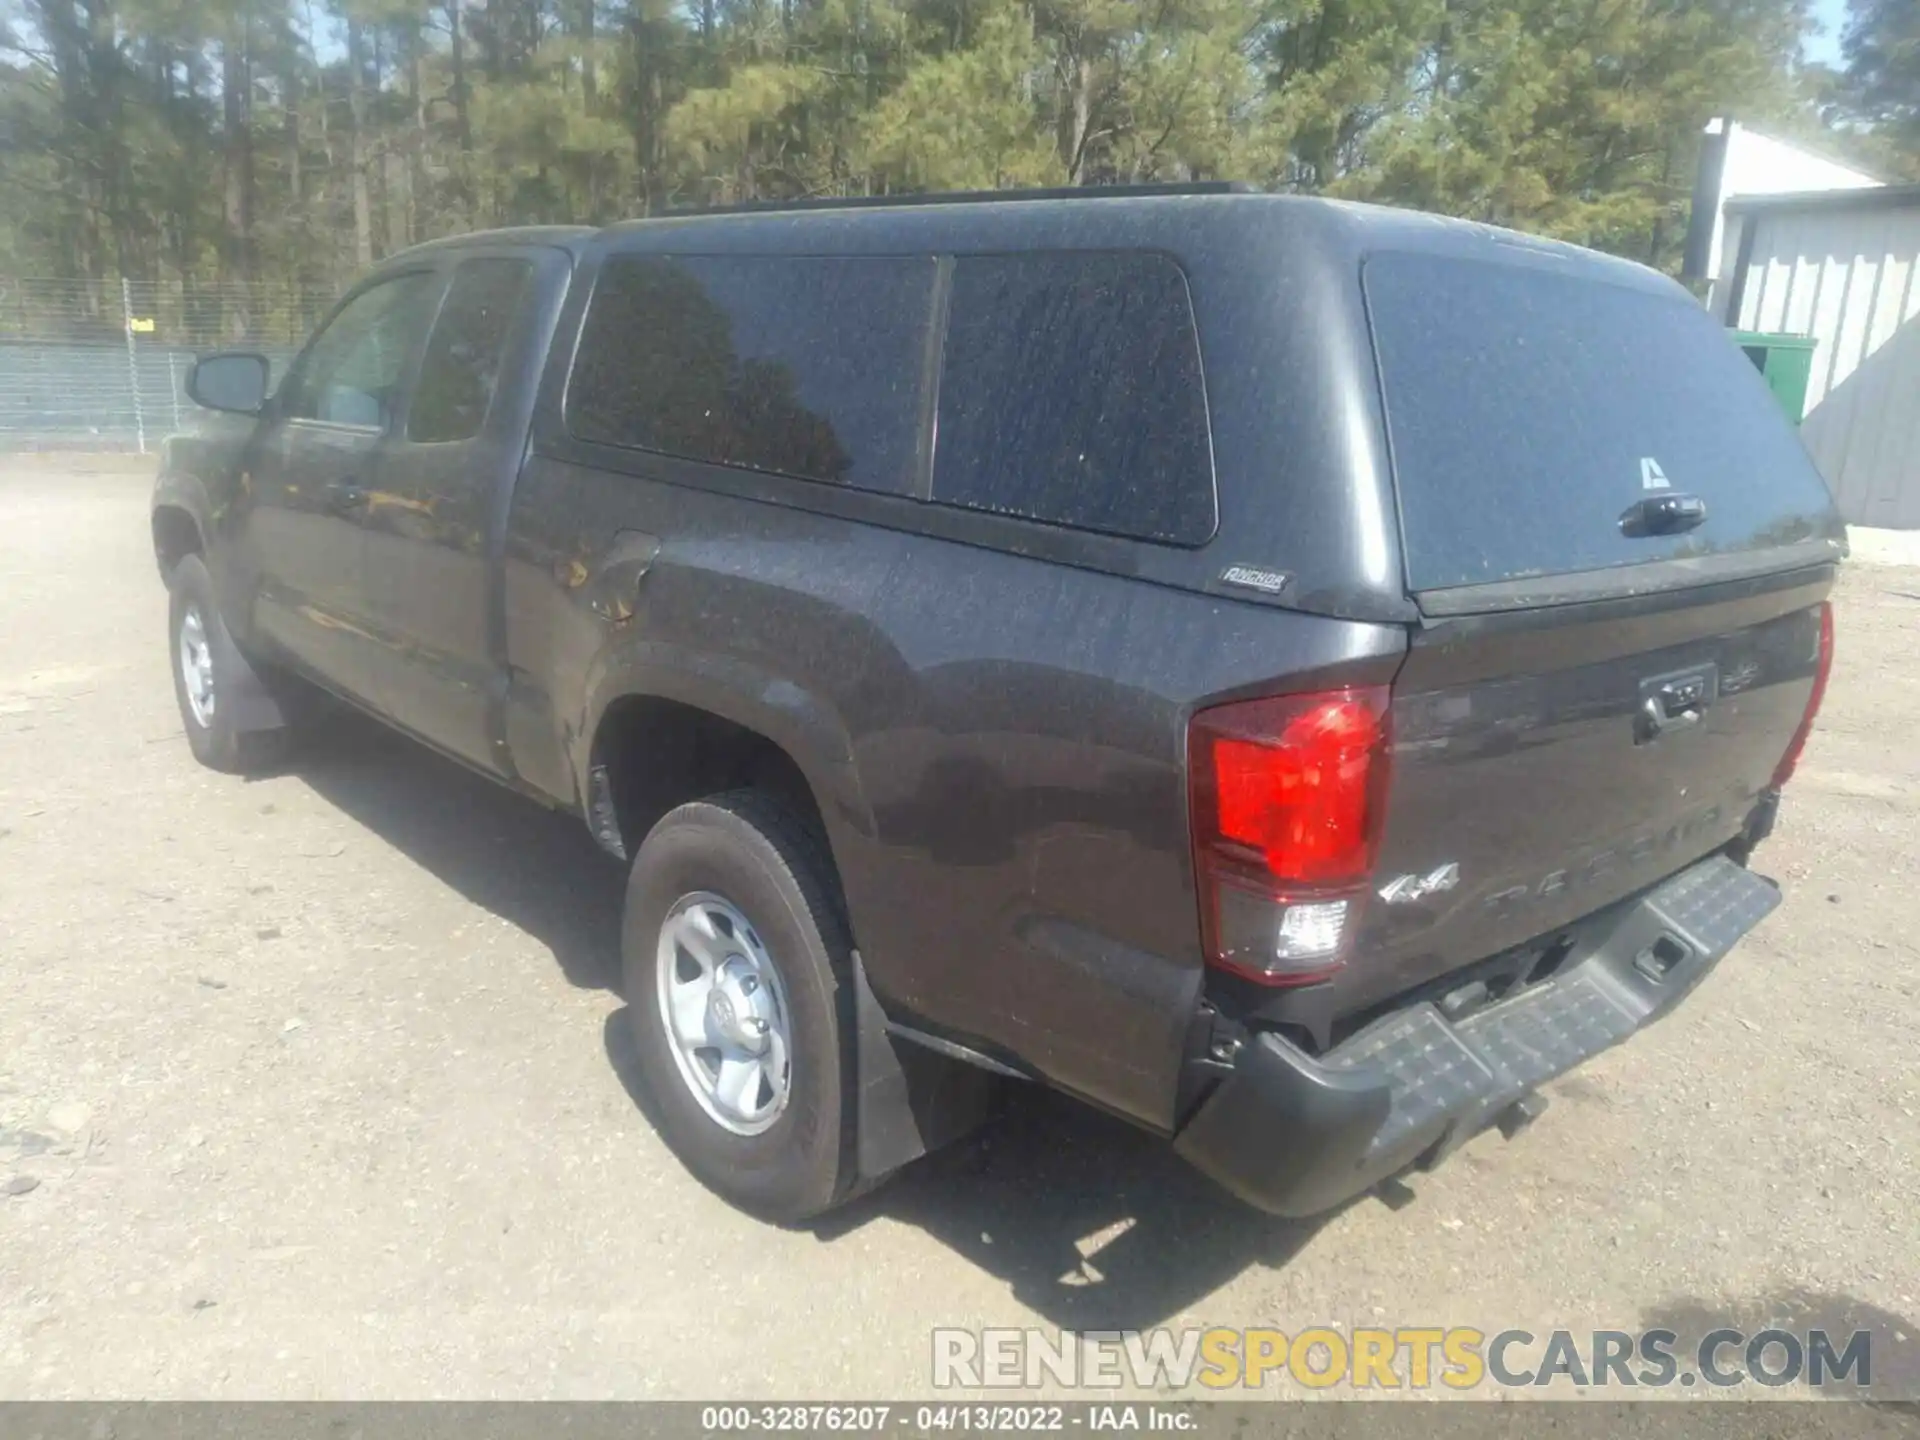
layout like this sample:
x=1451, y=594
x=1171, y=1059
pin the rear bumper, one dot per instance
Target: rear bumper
x=1296, y=1134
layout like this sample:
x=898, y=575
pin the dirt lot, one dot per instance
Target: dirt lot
x=314, y=1078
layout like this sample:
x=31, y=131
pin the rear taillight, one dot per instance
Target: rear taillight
x=1823, y=666
x=1287, y=799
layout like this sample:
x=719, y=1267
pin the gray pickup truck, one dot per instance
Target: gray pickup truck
x=1298, y=676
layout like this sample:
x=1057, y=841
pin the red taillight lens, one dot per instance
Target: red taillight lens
x=1823, y=666
x=1290, y=781
x=1286, y=809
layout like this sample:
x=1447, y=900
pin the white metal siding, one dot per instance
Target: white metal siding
x=1756, y=164
x=1851, y=279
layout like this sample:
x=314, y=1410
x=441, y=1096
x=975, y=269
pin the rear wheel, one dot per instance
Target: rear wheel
x=208, y=674
x=736, y=965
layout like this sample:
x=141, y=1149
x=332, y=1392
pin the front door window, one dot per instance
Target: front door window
x=351, y=373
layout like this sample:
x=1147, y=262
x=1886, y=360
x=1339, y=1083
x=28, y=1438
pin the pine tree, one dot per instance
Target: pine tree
x=286, y=143
x=1880, y=88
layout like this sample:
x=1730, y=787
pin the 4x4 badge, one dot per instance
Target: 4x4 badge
x=1408, y=888
x=1248, y=577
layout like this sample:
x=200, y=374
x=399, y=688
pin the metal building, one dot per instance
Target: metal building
x=1842, y=266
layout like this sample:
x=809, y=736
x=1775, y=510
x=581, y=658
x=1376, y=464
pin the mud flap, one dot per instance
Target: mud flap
x=244, y=694
x=911, y=1100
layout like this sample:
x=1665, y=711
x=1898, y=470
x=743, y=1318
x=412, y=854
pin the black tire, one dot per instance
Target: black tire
x=772, y=868
x=215, y=740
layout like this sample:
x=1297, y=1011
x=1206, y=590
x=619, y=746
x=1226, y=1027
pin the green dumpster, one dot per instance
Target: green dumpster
x=1786, y=361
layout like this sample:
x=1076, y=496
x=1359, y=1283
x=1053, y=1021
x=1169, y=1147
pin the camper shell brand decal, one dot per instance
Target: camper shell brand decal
x=1251, y=577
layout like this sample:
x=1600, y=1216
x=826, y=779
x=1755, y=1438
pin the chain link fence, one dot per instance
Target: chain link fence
x=102, y=365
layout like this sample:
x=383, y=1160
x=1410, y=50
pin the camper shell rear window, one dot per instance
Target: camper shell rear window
x=1531, y=410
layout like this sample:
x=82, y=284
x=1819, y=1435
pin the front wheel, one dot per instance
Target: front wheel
x=209, y=676
x=737, y=967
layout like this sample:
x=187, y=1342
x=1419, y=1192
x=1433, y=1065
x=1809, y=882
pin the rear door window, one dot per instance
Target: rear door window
x=1530, y=410
x=799, y=365
x=1070, y=392
x=463, y=352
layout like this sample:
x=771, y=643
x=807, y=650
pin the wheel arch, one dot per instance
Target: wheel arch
x=654, y=747
x=663, y=734
x=179, y=519
x=176, y=534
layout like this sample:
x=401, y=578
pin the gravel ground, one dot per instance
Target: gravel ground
x=307, y=1087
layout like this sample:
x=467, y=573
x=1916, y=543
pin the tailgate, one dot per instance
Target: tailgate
x=1531, y=783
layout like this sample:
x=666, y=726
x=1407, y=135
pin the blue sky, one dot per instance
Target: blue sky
x=1832, y=15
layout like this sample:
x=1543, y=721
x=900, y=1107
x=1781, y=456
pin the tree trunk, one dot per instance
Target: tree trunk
x=646, y=115
x=322, y=122
x=187, y=191
x=1076, y=115
x=1657, y=241
x=490, y=38
x=236, y=109
x=290, y=133
x=356, y=149
x=60, y=25
x=589, y=81
x=105, y=66
x=462, y=119
x=172, y=252
x=417, y=150
x=378, y=154
x=589, y=97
